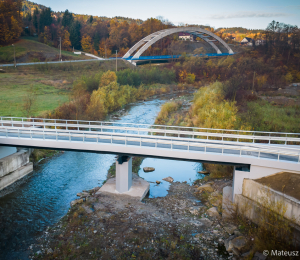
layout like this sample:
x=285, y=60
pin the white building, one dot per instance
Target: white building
x=247, y=41
x=185, y=36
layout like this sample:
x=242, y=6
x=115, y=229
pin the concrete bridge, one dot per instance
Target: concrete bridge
x=254, y=154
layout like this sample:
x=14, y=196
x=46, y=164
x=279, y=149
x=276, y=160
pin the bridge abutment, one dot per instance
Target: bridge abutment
x=14, y=166
x=254, y=172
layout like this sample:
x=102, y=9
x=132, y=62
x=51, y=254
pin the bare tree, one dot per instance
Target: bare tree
x=29, y=102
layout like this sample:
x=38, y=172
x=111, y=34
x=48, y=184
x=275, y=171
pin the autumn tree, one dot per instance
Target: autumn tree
x=135, y=33
x=86, y=44
x=45, y=37
x=10, y=21
x=66, y=43
x=107, y=78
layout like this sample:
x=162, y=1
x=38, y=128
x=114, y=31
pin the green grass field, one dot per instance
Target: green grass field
x=28, y=49
x=47, y=98
x=52, y=82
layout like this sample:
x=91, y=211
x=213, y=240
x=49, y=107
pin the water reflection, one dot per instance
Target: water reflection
x=178, y=170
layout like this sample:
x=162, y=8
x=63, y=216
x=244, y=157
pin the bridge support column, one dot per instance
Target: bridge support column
x=123, y=173
x=125, y=182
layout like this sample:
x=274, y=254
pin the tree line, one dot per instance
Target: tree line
x=97, y=35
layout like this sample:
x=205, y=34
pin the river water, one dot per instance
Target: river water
x=45, y=197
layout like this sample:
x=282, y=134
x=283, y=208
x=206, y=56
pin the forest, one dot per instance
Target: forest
x=101, y=36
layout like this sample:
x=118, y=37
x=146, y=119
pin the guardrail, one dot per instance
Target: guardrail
x=38, y=134
x=179, y=131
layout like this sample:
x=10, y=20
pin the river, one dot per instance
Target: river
x=45, y=197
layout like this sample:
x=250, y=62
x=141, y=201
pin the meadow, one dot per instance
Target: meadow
x=50, y=83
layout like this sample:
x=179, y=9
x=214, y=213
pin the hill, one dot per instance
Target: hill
x=28, y=49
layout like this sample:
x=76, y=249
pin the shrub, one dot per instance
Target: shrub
x=147, y=75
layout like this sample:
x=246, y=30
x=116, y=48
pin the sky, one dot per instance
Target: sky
x=252, y=14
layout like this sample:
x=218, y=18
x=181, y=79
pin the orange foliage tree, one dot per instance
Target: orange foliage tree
x=10, y=21
x=86, y=43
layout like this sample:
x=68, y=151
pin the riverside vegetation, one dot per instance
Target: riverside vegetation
x=273, y=230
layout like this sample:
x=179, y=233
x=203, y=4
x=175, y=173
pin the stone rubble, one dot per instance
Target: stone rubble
x=118, y=221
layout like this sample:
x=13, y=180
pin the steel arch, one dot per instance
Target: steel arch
x=154, y=37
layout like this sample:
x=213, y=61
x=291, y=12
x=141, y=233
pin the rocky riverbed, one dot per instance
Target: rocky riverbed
x=177, y=226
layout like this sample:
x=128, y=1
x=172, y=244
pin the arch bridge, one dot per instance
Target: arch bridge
x=140, y=47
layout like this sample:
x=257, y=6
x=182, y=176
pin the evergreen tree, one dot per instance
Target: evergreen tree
x=75, y=35
x=67, y=19
x=45, y=19
x=96, y=41
x=35, y=20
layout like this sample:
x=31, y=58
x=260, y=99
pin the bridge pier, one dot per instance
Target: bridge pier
x=123, y=173
x=126, y=182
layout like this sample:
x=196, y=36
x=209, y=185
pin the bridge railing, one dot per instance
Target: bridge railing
x=159, y=130
x=38, y=134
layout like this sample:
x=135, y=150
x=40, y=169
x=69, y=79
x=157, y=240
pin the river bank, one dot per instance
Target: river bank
x=109, y=226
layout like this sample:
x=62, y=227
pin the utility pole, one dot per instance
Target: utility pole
x=116, y=60
x=253, y=82
x=14, y=55
x=60, y=48
x=105, y=51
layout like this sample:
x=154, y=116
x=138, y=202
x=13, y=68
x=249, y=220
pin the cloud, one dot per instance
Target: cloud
x=294, y=7
x=247, y=15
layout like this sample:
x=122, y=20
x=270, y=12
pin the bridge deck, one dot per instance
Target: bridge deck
x=197, y=144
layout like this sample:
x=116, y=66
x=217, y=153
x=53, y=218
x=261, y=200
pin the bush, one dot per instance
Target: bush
x=210, y=110
x=147, y=75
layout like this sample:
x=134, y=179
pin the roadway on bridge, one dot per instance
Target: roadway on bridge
x=143, y=140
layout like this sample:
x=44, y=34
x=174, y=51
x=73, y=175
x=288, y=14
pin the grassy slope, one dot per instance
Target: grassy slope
x=53, y=84
x=28, y=49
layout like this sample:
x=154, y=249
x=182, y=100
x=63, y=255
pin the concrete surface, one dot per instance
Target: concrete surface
x=139, y=187
x=253, y=211
x=255, y=172
x=14, y=167
x=265, y=195
x=227, y=203
x=15, y=175
x=12, y=162
x=123, y=173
